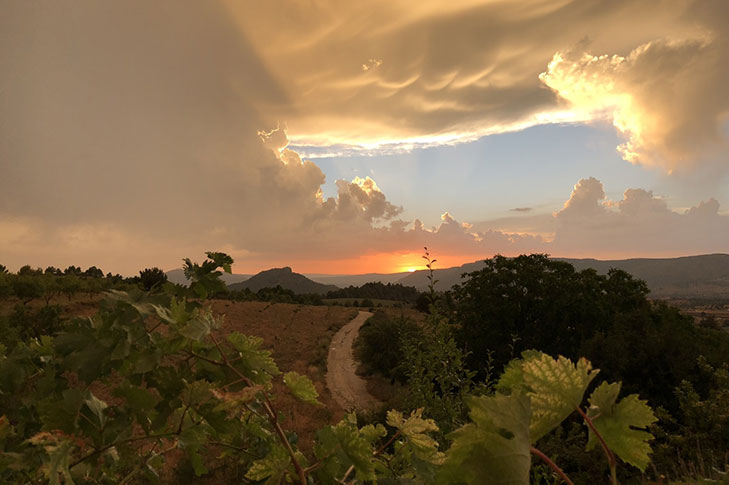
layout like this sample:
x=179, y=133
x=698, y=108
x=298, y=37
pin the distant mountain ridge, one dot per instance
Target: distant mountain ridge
x=285, y=278
x=344, y=280
x=688, y=276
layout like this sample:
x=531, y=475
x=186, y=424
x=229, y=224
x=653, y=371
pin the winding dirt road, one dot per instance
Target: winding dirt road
x=347, y=388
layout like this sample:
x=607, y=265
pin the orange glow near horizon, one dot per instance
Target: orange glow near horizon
x=367, y=263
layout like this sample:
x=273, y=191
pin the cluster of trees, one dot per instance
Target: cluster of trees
x=514, y=305
x=276, y=294
x=378, y=291
x=30, y=283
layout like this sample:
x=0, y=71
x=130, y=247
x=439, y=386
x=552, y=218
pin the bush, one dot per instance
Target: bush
x=23, y=323
x=379, y=346
x=152, y=278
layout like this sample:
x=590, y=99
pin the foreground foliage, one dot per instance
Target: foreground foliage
x=111, y=397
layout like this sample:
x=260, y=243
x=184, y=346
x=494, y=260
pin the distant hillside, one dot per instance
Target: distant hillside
x=285, y=278
x=378, y=291
x=178, y=276
x=690, y=276
x=446, y=277
x=344, y=280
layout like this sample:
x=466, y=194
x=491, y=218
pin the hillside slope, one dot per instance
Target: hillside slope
x=285, y=278
x=690, y=276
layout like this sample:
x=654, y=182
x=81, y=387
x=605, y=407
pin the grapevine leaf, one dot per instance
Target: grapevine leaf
x=59, y=457
x=343, y=445
x=234, y=400
x=271, y=468
x=617, y=422
x=96, y=406
x=198, y=392
x=555, y=387
x=414, y=428
x=302, y=387
x=495, y=445
x=137, y=398
x=199, y=326
x=175, y=313
x=373, y=432
x=191, y=440
x=257, y=364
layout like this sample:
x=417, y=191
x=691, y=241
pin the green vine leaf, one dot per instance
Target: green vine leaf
x=257, y=364
x=59, y=457
x=343, y=445
x=555, y=387
x=495, y=445
x=302, y=388
x=414, y=428
x=199, y=326
x=272, y=468
x=96, y=406
x=621, y=424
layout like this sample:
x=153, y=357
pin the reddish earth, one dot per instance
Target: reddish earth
x=348, y=389
x=298, y=336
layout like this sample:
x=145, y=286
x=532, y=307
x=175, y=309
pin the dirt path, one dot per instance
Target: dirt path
x=347, y=388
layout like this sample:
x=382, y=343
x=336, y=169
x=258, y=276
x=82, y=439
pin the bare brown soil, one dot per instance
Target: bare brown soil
x=295, y=335
x=348, y=389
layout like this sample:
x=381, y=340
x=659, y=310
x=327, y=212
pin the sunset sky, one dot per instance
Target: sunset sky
x=342, y=137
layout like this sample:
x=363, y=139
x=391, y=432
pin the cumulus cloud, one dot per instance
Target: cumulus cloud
x=666, y=96
x=641, y=224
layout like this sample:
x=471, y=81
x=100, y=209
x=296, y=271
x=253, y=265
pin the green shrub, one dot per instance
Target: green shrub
x=379, y=346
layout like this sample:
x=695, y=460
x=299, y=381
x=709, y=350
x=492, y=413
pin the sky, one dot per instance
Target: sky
x=343, y=137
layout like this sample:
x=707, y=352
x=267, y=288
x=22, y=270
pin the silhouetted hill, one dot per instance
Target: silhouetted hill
x=344, y=280
x=690, y=276
x=378, y=291
x=446, y=277
x=178, y=276
x=285, y=278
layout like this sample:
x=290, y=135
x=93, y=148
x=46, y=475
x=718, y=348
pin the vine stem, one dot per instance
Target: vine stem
x=610, y=455
x=268, y=406
x=551, y=465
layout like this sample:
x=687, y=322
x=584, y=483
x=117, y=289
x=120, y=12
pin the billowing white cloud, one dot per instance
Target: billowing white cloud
x=666, y=96
x=639, y=225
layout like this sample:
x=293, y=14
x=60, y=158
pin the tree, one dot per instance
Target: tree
x=52, y=270
x=69, y=285
x=72, y=270
x=152, y=278
x=50, y=286
x=93, y=272
x=28, y=271
x=27, y=288
x=3, y=269
x=6, y=287
x=515, y=304
x=532, y=302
